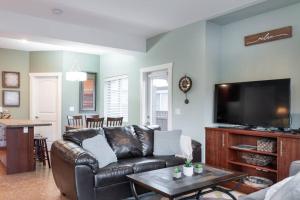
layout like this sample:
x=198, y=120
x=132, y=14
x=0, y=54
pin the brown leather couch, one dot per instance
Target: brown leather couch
x=76, y=172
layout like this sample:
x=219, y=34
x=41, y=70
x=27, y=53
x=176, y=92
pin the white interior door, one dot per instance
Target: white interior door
x=45, y=100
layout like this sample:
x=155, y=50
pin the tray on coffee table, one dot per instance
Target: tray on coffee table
x=162, y=182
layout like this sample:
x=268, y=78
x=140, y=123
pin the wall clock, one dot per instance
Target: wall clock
x=185, y=84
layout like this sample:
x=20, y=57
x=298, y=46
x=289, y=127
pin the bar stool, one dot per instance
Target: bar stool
x=40, y=150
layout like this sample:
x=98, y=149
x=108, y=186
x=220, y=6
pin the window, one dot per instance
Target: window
x=116, y=97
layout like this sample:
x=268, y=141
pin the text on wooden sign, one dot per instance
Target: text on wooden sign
x=268, y=36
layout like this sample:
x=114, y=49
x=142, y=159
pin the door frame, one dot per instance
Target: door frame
x=143, y=90
x=59, y=97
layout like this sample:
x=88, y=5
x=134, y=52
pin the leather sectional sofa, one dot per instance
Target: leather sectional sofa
x=76, y=172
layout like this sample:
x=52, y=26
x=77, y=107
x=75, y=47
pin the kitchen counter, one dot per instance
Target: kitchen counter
x=22, y=123
x=17, y=144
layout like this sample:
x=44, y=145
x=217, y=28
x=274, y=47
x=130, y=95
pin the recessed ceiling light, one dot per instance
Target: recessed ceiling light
x=57, y=11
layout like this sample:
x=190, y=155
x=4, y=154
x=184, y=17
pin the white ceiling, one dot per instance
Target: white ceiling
x=139, y=19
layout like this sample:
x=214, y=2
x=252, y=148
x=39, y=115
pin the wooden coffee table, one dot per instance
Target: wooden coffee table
x=162, y=182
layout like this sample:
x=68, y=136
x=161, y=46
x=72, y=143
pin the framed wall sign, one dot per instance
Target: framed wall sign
x=87, y=93
x=268, y=36
x=10, y=79
x=11, y=98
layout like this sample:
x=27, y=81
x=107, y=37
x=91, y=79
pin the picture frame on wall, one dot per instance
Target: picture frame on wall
x=87, y=93
x=11, y=98
x=10, y=79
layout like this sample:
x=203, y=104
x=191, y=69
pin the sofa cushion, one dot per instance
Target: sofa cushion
x=112, y=174
x=124, y=142
x=78, y=135
x=143, y=164
x=147, y=164
x=146, y=137
x=99, y=147
x=170, y=160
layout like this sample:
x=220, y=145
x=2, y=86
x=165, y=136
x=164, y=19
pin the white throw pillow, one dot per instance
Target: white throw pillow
x=99, y=147
x=167, y=142
x=186, y=147
x=274, y=188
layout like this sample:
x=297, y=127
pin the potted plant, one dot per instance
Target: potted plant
x=188, y=168
x=198, y=168
x=177, y=172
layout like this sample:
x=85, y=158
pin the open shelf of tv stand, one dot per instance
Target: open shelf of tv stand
x=222, y=152
x=252, y=151
x=258, y=168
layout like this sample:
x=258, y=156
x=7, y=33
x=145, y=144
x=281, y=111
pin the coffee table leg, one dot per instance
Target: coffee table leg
x=133, y=190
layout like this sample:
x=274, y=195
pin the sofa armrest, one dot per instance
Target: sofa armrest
x=73, y=170
x=74, y=154
x=295, y=167
x=197, y=151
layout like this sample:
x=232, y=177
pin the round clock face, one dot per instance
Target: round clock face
x=185, y=84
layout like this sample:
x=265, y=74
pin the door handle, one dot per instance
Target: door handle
x=36, y=117
x=281, y=148
x=223, y=140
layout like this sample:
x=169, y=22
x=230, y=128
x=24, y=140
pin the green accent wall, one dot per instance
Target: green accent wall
x=185, y=48
x=87, y=63
x=18, y=61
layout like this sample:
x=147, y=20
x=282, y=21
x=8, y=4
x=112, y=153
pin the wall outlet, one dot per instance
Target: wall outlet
x=71, y=108
x=25, y=129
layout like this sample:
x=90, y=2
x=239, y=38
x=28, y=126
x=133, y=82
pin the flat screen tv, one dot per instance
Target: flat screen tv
x=258, y=103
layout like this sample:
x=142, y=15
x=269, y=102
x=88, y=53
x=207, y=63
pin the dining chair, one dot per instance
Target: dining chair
x=76, y=120
x=94, y=122
x=92, y=116
x=114, y=121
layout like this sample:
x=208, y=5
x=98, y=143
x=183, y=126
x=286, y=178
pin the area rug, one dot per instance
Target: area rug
x=211, y=196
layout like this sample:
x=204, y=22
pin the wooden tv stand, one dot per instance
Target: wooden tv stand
x=221, y=153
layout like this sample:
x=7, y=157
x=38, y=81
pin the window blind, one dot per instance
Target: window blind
x=116, y=97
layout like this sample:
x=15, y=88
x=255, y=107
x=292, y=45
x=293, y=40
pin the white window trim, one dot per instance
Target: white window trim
x=143, y=78
x=112, y=78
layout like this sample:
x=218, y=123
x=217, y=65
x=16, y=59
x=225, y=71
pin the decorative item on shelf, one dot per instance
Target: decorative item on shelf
x=11, y=98
x=198, y=168
x=188, y=169
x=266, y=145
x=87, y=93
x=258, y=160
x=10, y=79
x=245, y=147
x=76, y=74
x=4, y=114
x=185, y=84
x=258, y=182
x=177, y=173
x=268, y=36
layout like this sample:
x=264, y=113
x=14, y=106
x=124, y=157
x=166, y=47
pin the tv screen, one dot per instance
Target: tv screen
x=258, y=103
